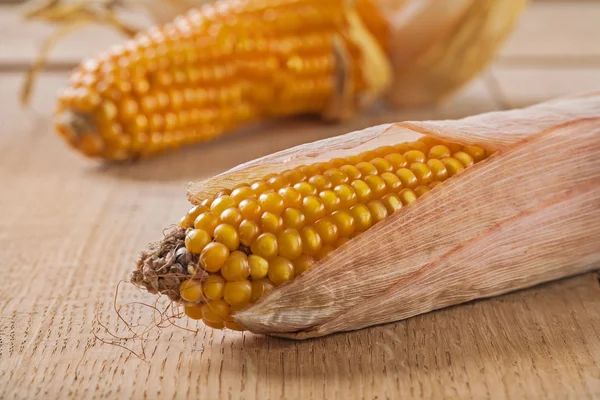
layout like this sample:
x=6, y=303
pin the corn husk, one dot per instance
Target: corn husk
x=528, y=214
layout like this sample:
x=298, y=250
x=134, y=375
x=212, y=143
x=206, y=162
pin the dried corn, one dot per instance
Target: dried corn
x=213, y=70
x=265, y=233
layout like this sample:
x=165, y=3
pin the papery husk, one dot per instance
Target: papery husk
x=528, y=214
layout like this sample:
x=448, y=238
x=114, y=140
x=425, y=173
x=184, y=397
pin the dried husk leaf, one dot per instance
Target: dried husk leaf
x=528, y=214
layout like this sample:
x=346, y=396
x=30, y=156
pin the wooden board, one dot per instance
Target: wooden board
x=71, y=228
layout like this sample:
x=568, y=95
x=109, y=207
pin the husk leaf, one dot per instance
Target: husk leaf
x=528, y=214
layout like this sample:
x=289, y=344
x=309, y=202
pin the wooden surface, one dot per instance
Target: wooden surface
x=71, y=228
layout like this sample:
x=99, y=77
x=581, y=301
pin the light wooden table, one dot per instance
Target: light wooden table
x=70, y=229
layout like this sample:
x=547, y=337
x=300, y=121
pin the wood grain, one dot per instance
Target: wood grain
x=71, y=228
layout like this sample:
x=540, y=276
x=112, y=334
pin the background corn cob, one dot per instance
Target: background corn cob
x=235, y=247
x=209, y=72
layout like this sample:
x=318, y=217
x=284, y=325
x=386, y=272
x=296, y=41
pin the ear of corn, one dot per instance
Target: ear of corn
x=346, y=243
x=215, y=69
x=266, y=233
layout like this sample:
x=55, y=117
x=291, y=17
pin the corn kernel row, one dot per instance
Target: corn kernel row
x=264, y=234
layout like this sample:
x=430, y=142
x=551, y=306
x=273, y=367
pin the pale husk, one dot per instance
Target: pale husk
x=528, y=214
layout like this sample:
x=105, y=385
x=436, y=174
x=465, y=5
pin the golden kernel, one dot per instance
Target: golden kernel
x=214, y=256
x=415, y=156
x=190, y=290
x=259, y=267
x=234, y=326
x=351, y=172
x=281, y=270
x=237, y=293
x=259, y=187
x=391, y=202
x=366, y=168
x=346, y=194
x=303, y=263
x=440, y=151
x=250, y=209
x=421, y=190
x=276, y=182
x=464, y=158
x=382, y=165
x=215, y=311
x=194, y=311
x=228, y=235
x=221, y=204
x=396, y=160
x=362, y=190
x=291, y=197
x=271, y=202
x=231, y=216
x=319, y=182
x=196, y=240
x=336, y=176
x=248, y=232
x=407, y=178
x=377, y=185
x=407, y=196
x=237, y=267
x=260, y=288
x=270, y=222
x=477, y=153
x=324, y=252
x=293, y=218
x=289, y=243
x=242, y=193
x=453, y=166
x=311, y=241
x=378, y=211
x=265, y=246
x=422, y=172
x=305, y=189
x=438, y=170
x=362, y=217
x=327, y=230
x=312, y=208
x=213, y=287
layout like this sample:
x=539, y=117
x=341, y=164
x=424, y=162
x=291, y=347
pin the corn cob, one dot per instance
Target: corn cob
x=240, y=244
x=212, y=71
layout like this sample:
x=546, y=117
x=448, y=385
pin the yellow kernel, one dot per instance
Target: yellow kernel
x=324, y=252
x=340, y=242
x=438, y=152
x=231, y=216
x=270, y=222
x=260, y=288
x=330, y=200
x=392, y=182
x=415, y=156
x=407, y=178
x=327, y=230
x=438, y=170
x=248, y=231
x=227, y=235
x=336, y=163
x=291, y=197
x=303, y=263
x=346, y=194
x=305, y=189
x=311, y=241
x=402, y=147
x=213, y=287
x=382, y=165
x=434, y=184
x=206, y=203
x=453, y=166
x=293, y=176
x=193, y=212
x=344, y=222
x=289, y=244
x=366, y=168
x=384, y=151
x=362, y=190
x=309, y=170
x=396, y=160
x=378, y=211
x=222, y=203
x=223, y=192
x=336, y=176
x=368, y=155
x=351, y=172
x=454, y=147
x=215, y=311
x=391, y=202
x=312, y=208
x=422, y=172
x=319, y=182
x=250, y=209
x=214, y=256
x=421, y=190
x=362, y=217
x=281, y=270
x=259, y=187
x=271, y=202
x=237, y=293
x=242, y=193
x=477, y=153
x=258, y=266
x=196, y=240
x=265, y=246
x=464, y=158
x=276, y=182
x=407, y=196
x=377, y=185
x=420, y=146
x=236, y=268
x=190, y=290
x=194, y=311
x=293, y=218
